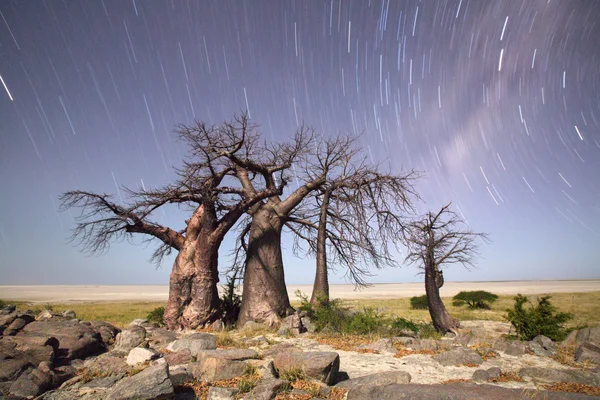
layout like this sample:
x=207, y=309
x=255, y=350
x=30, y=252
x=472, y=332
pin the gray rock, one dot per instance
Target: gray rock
x=18, y=324
x=221, y=393
x=494, y=372
x=107, y=332
x=588, y=352
x=588, y=335
x=264, y=368
x=542, y=346
x=69, y=314
x=45, y=314
x=153, y=383
x=10, y=369
x=8, y=309
x=512, y=348
x=139, y=355
x=212, y=369
x=548, y=375
x=266, y=389
x=323, y=366
x=284, y=331
x=228, y=354
x=103, y=383
x=378, y=379
x=139, y=322
x=179, y=357
x=161, y=337
x=453, y=391
x=7, y=319
x=218, y=326
x=252, y=326
x=33, y=382
x=195, y=343
x=180, y=374
x=381, y=346
x=458, y=356
x=130, y=338
x=106, y=364
x=481, y=375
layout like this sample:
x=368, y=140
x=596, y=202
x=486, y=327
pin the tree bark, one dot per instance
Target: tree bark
x=193, y=294
x=320, y=294
x=265, y=298
x=442, y=321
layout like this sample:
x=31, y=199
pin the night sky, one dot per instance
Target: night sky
x=498, y=102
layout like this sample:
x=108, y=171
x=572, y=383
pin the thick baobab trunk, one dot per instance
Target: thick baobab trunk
x=320, y=294
x=442, y=321
x=265, y=298
x=193, y=294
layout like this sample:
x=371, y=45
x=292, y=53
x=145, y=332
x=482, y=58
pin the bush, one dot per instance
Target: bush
x=402, y=324
x=419, y=302
x=231, y=303
x=541, y=319
x=475, y=299
x=156, y=316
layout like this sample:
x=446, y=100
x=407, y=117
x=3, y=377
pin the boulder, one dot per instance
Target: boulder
x=161, y=337
x=106, y=364
x=587, y=335
x=11, y=368
x=588, y=352
x=153, y=383
x=548, y=375
x=107, y=332
x=266, y=389
x=130, y=338
x=7, y=319
x=70, y=314
x=139, y=322
x=17, y=324
x=221, y=393
x=34, y=382
x=212, y=369
x=264, y=368
x=542, y=346
x=380, y=346
x=379, y=379
x=458, y=356
x=179, y=357
x=195, y=343
x=46, y=314
x=139, y=355
x=228, y=354
x=494, y=372
x=8, y=309
x=218, y=326
x=323, y=366
x=480, y=375
x=512, y=348
x=180, y=374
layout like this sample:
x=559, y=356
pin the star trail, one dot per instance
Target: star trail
x=496, y=102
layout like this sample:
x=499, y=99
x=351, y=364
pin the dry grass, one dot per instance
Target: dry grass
x=345, y=342
x=573, y=388
x=509, y=376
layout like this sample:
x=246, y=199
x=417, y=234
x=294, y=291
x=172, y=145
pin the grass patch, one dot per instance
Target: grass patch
x=293, y=374
x=573, y=388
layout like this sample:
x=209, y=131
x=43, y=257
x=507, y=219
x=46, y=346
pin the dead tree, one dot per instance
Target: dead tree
x=215, y=208
x=440, y=239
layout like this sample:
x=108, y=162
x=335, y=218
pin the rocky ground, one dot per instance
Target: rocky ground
x=56, y=356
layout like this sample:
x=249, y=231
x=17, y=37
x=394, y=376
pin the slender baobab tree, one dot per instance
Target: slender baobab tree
x=437, y=239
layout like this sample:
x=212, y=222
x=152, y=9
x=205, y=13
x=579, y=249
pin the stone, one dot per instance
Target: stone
x=266, y=389
x=106, y=364
x=480, y=375
x=195, y=343
x=161, y=338
x=494, y=372
x=322, y=366
x=107, y=332
x=380, y=346
x=153, y=383
x=34, y=382
x=179, y=357
x=549, y=375
x=542, y=346
x=8, y=309
x=458, y=356
x=212, y=369
x=10, y=369
x=229, y=354
x=180, y=374
x=7, y=319
x=379, y=379
x=588, y=352
x=218, y=326
x=17, y=324
x=70, y=314
x=588, y=335
x=280, y=347
x=264, y=368
x=511, y=348
x=46, y=314
x=139, y=322
x=139, y=355
x=130, y=338
x=221, y=393
x=252, y=326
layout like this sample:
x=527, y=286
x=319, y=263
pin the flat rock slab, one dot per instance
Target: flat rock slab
x=229, y=354
x=322, y=365
x=382, y=378
x=547, y=375
x=455, y=391
x=153, y=383
x=195, y=343
x=215, y=369
x=459, y=356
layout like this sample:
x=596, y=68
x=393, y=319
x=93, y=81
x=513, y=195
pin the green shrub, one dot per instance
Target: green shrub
x=541, y=319
x=419, y=302
x=231, y=303
x=401, y=324
x=428, y=331
x=156, y=316
x=2, y=303
x=475, y=299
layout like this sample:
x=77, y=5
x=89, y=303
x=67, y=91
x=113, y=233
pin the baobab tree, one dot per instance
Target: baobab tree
x=214, y=207
x=440, y=239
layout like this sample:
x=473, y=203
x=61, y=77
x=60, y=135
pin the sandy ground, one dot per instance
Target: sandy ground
x=79, y=293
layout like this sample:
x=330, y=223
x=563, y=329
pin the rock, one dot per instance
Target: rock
x=309, y=325
x=218, y=326
x=323, y=366
x=38, y=354
x=130, y=338
x=107, y=332
x=381, y=346
x=426, y=344
x=139, y=355
x=139, y=322
x=7, y=319
x=34, y=382
x=279, y=347
x=264, y=368
x=228, y=354
x=403, y=340
x=480, y=375
x=180, y=374
x=212, y=369
x=259, y=340
x=284, y=331
x=588, y=352
x=458, y=356
x=102, y=383
x=548, y=375
x=179, y=357
x=452, y=391
x=8, y=309
x=195, y=343
x=10, y=369
x=17, y=324
x=46, y=314
x=588, y=335
x=161, y=338
x=221, y=393
x=252, y=326
x=512, y=348
x=379, y=379
x=106, y=364
x=494, y=372
x=266, y=389
x=70, y=314
x=153, y=383
x=542, y=346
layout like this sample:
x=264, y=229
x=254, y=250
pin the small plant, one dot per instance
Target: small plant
x=250, y=370
x=419, y=302
x=428, y=331
x=156, y=316
x=541, y=319
x=231, y=302
x=293, y=374
x=2, y=303
x=401, y=324
x=247, y=383
x=475, y=299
